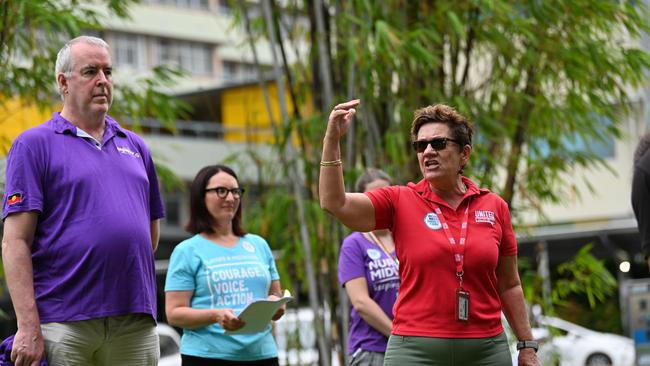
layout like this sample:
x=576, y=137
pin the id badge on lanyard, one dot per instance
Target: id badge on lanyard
x=458, y=248
x=462, y=305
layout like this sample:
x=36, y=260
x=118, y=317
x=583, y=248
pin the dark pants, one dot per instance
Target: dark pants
x=418, y=351
x=200, y=361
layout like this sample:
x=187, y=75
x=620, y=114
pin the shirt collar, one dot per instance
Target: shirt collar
x=422, y=189
x=61, y=125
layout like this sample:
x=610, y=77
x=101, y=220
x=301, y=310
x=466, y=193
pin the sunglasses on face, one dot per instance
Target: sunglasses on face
x=222, y=192
x=438, y=143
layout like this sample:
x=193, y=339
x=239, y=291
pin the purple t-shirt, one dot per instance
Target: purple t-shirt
x=92, y=254
x=362, y=258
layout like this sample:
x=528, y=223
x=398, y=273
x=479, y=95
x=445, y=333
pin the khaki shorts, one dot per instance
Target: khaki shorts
x=418, y=351
x=128, y=340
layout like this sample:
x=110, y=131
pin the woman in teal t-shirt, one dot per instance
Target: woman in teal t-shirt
x=213, y=275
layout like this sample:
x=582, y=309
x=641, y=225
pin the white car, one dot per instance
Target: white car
x=566, y=344
x=170, y=342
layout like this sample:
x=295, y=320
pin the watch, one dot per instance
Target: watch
x=527, y=344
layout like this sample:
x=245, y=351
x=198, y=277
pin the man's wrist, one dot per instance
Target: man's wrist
x=527, y=344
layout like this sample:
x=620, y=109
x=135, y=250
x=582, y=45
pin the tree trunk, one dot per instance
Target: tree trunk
x=519, y=138
x=298, y=194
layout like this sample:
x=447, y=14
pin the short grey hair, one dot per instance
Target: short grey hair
x=370, y=175
x=64, y=61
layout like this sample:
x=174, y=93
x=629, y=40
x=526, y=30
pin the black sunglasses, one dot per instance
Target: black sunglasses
x=222, y=192
x=438, y=143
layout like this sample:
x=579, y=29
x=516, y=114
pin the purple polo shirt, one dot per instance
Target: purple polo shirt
x=92, y=253
x=361, y=258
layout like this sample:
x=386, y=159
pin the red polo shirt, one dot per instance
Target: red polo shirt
x=427, y=298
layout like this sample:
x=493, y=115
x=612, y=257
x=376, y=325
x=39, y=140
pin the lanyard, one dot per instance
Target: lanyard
x=457, y=248
x=379, y=242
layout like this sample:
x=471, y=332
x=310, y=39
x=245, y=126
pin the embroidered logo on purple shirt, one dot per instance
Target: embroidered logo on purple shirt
x=127, y=151
x=14, y=199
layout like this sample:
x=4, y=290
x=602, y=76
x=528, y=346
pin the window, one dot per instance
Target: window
x=603, y=146
x=129, y=50
x=168, y=345
x=239, y=71
x=229, y=71
x=193, y=57
x=187, y=4
x=224, y=7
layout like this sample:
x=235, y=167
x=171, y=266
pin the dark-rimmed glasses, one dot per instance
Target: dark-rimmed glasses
x=438, y=143
x=222, y=192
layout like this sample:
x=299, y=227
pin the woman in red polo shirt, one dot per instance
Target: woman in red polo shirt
x=454, y=241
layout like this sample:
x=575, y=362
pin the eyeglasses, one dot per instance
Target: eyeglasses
x=438, y=143
x=222, y=192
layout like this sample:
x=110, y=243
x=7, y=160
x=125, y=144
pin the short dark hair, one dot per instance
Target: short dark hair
x=370, y=175
x=200, y=219
x=461, y=128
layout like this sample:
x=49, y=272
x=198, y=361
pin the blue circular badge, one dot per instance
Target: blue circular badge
x=432, y=221
x=373, y=253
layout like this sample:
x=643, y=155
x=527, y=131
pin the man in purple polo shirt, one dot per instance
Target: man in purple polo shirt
x=81, y=217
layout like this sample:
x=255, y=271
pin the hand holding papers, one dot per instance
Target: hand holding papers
x=259, y=313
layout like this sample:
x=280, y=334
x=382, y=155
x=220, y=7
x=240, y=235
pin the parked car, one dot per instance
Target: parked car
x=563, y=343
x=170, y=342
x=295, y=336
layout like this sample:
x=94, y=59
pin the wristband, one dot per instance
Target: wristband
x=527, y=344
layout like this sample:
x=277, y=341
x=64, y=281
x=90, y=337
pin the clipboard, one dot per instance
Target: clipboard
x=258, y=314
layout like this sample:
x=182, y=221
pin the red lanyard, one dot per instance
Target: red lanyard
x=457, y=248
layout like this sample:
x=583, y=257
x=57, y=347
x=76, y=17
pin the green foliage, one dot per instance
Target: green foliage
x=585, y=275
x=31, y=34
x=539, y=79
x=583, y=291
x=144, y=98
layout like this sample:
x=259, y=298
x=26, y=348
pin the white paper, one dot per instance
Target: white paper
x=258, y=314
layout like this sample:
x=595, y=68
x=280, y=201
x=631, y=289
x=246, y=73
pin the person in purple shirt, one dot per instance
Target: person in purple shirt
x=368, y=269
x=81, y=213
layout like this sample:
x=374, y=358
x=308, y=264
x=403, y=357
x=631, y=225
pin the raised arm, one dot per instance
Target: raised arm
x=354, y=210
x=19, y=229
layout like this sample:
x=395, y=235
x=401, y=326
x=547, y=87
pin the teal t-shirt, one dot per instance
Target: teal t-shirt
x=224, y=278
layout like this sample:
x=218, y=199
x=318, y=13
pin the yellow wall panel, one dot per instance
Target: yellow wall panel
x=16, y=117
x=244, y=114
